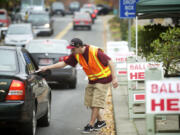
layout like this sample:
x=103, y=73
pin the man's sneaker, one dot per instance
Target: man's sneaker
x=88, y=129
x=99, y=124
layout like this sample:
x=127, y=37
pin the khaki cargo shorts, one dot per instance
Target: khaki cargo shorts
x=95, y=95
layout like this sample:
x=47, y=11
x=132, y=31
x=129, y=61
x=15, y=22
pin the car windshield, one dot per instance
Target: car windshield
x=74, y=5
x=88, y=10
x=57, y=5
x=2, y=16
x=7, y=60
x=19, y=30
x=47, y=47
x=82, y=16
x=35, y=18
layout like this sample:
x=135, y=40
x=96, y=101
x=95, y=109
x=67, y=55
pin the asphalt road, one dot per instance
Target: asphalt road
x=69, y=115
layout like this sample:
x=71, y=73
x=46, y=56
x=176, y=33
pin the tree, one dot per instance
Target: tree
x=167, y=50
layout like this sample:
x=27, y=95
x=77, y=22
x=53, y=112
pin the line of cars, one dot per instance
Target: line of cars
x=25, y=95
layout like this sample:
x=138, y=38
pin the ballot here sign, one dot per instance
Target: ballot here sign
x=136, y=70
x=163, y=97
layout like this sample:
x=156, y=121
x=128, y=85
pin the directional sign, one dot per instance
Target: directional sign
x=127, y=8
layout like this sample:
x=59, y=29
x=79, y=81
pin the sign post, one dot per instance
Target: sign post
x=127, y=10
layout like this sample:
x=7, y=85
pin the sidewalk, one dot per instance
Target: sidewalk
x=123, y=125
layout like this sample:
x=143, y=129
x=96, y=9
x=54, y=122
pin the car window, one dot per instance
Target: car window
x=57, y=5
x=30, y=65
x=47, y=47
x=2, y=15
x=8, y=60
x=19, y=30
x=35, y=18
x=82, y=16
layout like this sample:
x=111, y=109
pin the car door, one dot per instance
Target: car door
x=41, y=90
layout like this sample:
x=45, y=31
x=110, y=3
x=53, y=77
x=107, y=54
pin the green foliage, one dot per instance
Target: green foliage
x=146, y=35
x=166, y=50
x=161, y=44
x=119, y=28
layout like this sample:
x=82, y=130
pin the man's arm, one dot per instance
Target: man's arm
x=114, y=78
x=57, y=65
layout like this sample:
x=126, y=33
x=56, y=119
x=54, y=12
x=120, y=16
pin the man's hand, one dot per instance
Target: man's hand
x=42, y=69
x=115, y=83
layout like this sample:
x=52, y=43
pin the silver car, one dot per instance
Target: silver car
x=19, y=34
x=50, y=51
x=41, y=22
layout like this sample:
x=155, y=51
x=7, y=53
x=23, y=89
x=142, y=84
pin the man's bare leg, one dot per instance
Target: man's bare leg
x=94, y=115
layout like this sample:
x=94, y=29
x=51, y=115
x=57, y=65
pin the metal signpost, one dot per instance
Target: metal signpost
x=127, y=10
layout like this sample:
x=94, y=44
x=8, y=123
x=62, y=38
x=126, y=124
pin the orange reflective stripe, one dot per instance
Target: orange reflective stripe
x=101, y=76
x=104, y=70
x=77, y=57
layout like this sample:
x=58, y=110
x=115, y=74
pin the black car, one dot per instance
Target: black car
x=58, y=8
x=50, y=51
x=25, y=97
x=103, y=9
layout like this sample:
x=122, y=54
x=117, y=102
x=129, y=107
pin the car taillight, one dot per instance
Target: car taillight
x=76, y=21
x=63, y=58
x=86, y=22
x=16, y=91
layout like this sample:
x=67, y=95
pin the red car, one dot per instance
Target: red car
x=82, y=19
x=4, y=18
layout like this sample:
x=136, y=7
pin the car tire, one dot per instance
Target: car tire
x=30, y=127
x=46, y=119
x=74, y=27
x=89, y=28
x=72, y=84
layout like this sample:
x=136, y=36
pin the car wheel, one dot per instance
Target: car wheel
x=72, y=84
x=89, y=27
x=30, y=127
x=74, y=27
x=45, y=120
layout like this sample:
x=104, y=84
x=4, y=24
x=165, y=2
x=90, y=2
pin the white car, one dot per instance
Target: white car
x=19, y=34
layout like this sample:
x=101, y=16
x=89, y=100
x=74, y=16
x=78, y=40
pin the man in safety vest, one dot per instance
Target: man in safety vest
x=100, y=71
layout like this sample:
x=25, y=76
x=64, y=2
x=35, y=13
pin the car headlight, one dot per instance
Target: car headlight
x=47, y=25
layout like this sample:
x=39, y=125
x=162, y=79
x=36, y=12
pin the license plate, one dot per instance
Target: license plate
x=46, y=61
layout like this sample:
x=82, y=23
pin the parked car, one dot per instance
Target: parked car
x=74, y=7
x=58, y=8
x=19, y=34
x=25, y=97
x=50, y=51
x=41, y=22
x=5, y=21
x=82, y=19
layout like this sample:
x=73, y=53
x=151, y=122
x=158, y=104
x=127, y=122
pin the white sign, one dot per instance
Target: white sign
x=163, y=97
x=118, y=51
x=136, y=70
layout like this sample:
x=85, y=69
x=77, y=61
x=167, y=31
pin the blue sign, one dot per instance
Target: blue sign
x=127, y=8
